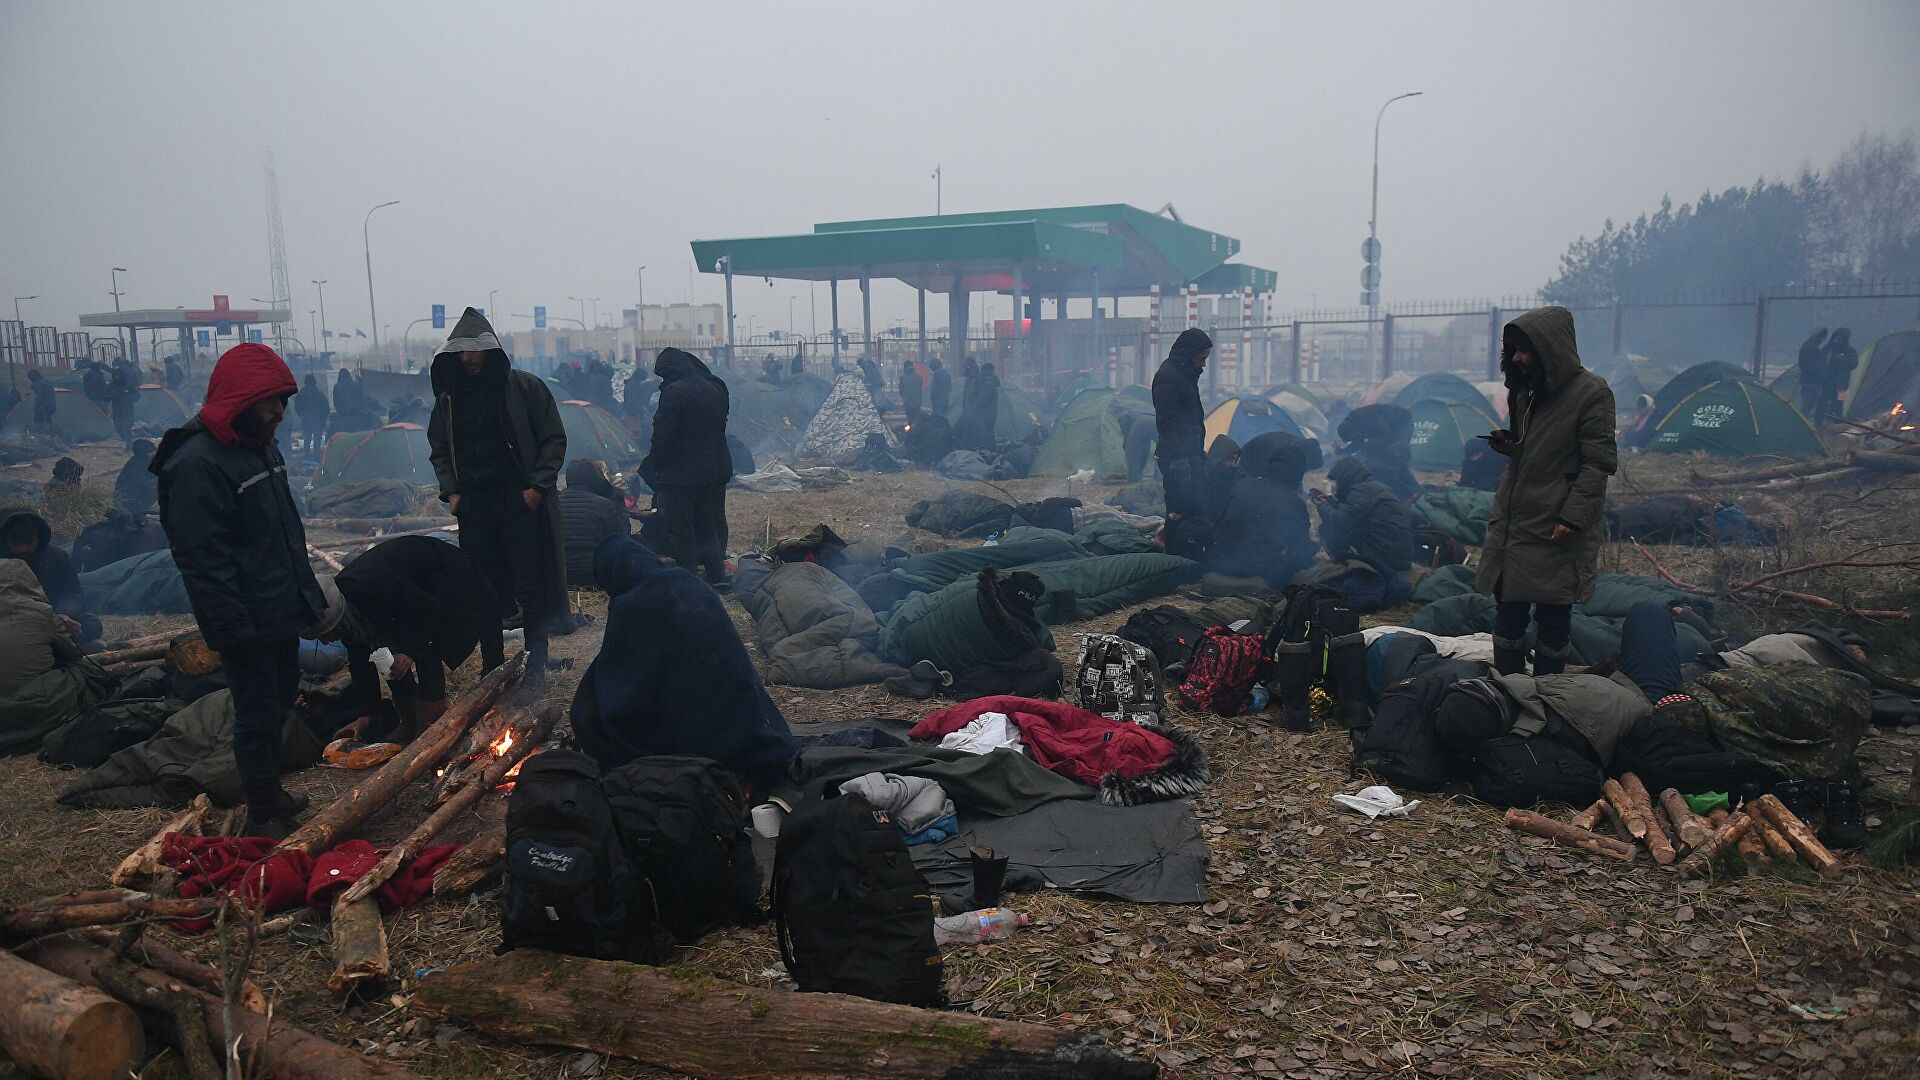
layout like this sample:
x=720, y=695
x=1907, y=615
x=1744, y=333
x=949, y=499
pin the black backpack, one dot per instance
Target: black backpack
x=1167, y=632
x=569, y=885
x=1399, y=746
x=1302, y=612
x=683, y=821
x=1552, y=766
x=853, y=914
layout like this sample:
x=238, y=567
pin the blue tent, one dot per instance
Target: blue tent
x=1242, y=418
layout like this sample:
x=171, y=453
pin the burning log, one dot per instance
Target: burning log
x=671, y=1021
x=269, y=1047
x=1588, y=818
x=474, y=752
x=483, y=859
x=1527, y=821
x=1656, y=837
x=1623, y=805
x=1725, y=837
x=1797, y=834
x=1692, y=827
x=33, y=921
x=143, y=866
x=347, y=812
x=53, y=1026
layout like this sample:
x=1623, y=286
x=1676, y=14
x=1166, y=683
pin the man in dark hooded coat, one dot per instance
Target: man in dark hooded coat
x=1549, y=514
x=497, y=444
x=870, y=374
x=176, y=375
x=44, y=402
x=1842, y=358
x=913, y=388
x=1365, y=521
x=124, y=397
x=1181, y=423
x=979, y=408
x=312, y=408
x=1381, y=436
x=940, y=387
x=29, y=538
x=1812, y=372
x=672, y=676
x=688, y=464
x=236, y=536
x=1266, y=531
x=136, y=488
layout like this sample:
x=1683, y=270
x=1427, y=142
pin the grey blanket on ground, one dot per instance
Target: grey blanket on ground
x=1000, y=784
x=1150, y=854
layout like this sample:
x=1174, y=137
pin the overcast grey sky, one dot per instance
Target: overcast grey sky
x=547, y=150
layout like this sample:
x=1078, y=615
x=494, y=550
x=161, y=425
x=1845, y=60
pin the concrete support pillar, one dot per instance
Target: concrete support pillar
x=921, y=295
x=728, y=264
x=958, y=319
x=867, y=348
x=833, y=297
x=1386, y=344
x=1019, y=316
x=1296, y=369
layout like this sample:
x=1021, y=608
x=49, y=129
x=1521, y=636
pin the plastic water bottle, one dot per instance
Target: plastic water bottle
x=973, y=927
x=1257, y=699
x=993, y=540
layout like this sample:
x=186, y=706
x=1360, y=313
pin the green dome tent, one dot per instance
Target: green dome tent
x=1295, y=389
x=1081, y=384
x=1305, y=411
x=1441, y=430
x=393, y=452
x=1737, y=418
x=158, y=406
x=1684, y=384
x=1088, y=435
x=1888, y=375
x=74, y=417
x=1628, y=380
x=1441, y=386
x=592, y=432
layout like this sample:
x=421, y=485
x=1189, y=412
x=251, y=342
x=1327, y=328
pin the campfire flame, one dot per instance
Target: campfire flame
x=1899, y=409
x=505, y=787
x=503, y=744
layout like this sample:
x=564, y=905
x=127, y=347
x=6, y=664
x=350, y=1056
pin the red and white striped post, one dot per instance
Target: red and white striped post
x=1153, y=323
x=1193, y=304
x=1246, y=328
x=1113, y=365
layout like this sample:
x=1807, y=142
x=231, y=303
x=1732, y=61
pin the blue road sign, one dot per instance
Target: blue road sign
x=539, y=316
x=203, y=339
x=439, y=316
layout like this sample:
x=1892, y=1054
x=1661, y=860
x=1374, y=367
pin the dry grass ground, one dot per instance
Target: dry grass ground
x=1440, y=944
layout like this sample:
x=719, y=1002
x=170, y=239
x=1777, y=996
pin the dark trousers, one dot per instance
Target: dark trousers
x=264, y=678
x=504, y=538
x=1650, y=651
x=1553, y=623
x=695, y=520
x=1185, y=481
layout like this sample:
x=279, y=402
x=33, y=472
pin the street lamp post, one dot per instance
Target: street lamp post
x=595, y=301
x=640, y=332
x=322, y=286
x=492, y=312
x=119, y=332
x=313, y=329
x=583, y=310
x=366, y=246
x=1370, y=274
x=16, y=306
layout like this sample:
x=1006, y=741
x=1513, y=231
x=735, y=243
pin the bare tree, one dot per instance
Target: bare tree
x=1867, y=224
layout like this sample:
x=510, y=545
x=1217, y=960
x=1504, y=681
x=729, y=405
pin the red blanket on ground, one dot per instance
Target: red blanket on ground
x=1065, y=738
x=248, y=867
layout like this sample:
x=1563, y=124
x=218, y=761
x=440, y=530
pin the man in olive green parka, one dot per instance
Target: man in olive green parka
x=1544, y=537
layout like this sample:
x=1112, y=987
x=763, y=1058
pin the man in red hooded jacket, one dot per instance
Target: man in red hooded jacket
x=242, y=552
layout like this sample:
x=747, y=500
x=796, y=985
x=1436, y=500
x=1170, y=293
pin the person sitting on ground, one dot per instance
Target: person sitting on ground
x=136, y=489
x=1640, y=429
x=1266, y=534
x=44, y=679
x=1363, y=521
x=30, y=539
x=1223, y=468
x=1841, y=359
x=1381, y=436
x=67, y=475
x=770, y=371
x=427, y=603
x=927, y=439
x=591, y=509
x=673, y=676
x=1480, y=467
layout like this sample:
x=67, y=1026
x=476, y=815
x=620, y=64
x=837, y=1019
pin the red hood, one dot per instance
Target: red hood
x=245, y=374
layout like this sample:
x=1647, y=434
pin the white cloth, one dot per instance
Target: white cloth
x=1377, y=802
x=914, y=802
x=986, y=733
x=1469, y=647
x=773, y=479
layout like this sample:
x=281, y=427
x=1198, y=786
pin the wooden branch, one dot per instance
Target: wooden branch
x=183, y=1015
x=278, y=1051
x=714, y=1028
x=1776, y=841
x=1770, y=472
x=1623, y=804
x=472, y=753
x=138, y=653
x=359, y=946
x=32, y=922
x=1527, y=821
x=1656, y=838
x=482, y=860
x=143, y=866
x=1692, y=827
x=1797, y=834
x=1667, y=575
x=1811, y=567
x=529, y=731
x=325, y=559
x=386, y=527
x=352, y=809
x=1725, y=838
x=54, y=1027
x=87, y=896
x=369, y=541
x=151, y=953
x=1881, y=459
x=1588, y=818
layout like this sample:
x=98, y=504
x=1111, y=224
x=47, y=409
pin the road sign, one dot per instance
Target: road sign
x=1370, y=276
x=256, y=336
x=439, y=316
x=1368, y=298
x=203, y=339
x=539, y=316
x=1370, y=250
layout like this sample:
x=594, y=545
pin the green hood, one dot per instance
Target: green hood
x=1551, y=331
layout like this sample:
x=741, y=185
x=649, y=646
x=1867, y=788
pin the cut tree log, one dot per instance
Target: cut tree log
x=139, y=869
x=1656, y=838
x=349, y=811
x=32, y=922
x=52, y=1026
x=473, y=753
x=1588, y=818
x=1527, y=821
x=1752, y=851
x=1623, y=804
x=1722, y=840
x=711, y=1027
x=483, y=859
x=1692, y=827
x=529, y=732
x=268, y=1047
x=1797, y=834
x=137, y=653
x=1776, y=841
x=1667, y=830
x=183, y=1013
x=1882, y=459
x=88, y=896
x=151, y=953
x=1770, y=472
x=359, y=947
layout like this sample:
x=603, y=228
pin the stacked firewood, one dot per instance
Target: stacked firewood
x=1761, y=832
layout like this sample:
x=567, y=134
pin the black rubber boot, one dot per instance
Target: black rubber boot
x=1292, y=678
x=271, y=808
x=1549, y=661
x=1347, y=672
x=1846, y=824
x=1804, y=797
x=1509, y=656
